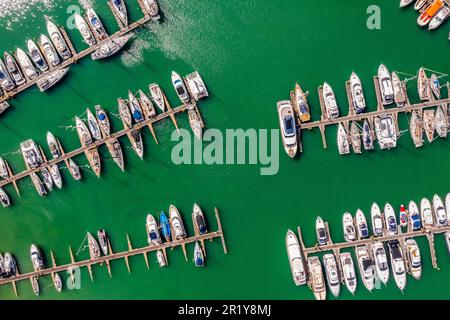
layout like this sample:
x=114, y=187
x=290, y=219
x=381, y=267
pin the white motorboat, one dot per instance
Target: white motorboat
x=83, y=27
x=423, y=85
x=51, y=78
x=296, y=259
x=377, y=220
x=93, y=125
x=439, y=18
x=426, y=213
x=416, y=128
x=157, y=96
x=58, y=40
x=137, y=143
x=390, y=220
x=153, y=235
x=349, y=227
x=4, y=199
x=180, y=87
x=361, y=225
x=385, y=83
x=5, y=79
x=321, y=232
x=83, y=132
x=53, y=145
x=397, y=264
x=146, y=104
x=414, y=216
x=125, y=114
x=366, y=268
x=195, y=123
x=56, y=175
x=316, y=278
x=47, y=179
x=440, y=214
x=177, y=223
x=35, y=285
x=111, y=47
x=26, y=65
x=49, y=51
x=348, y=271
x=413, y=258
x=115, y=150
x=367, y=136
x=381, y=262
x=429, y=124
x=386, y=132
x=399, y=94
x=94, y=248
x=199, y=219
x=288, y=127
x=103, y=120
x=342, y=140
x=441, y=122
x=329, y=98
x=37, y=56
x=359, y=102
x=36, y=258
x=161, y=259
x=332, y=274
x=419, y=4
x=96, y=24
x=57, y=282
x=4, y=171
x=74, y=170
x=447, y=206
x=31, y=154
x=355, y=136
x=14, y=70
x=405, y=3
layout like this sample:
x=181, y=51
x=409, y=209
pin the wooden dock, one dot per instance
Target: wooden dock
x=120, y=255
x=77, y=55
x=170, y=113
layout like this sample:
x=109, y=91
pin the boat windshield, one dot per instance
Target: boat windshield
x=289, y=125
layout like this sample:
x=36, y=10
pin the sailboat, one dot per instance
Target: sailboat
x=120, y=9
x=94, y=249
x=429, y=124
x=94, y=160
x=135, y=108
x=36, y=56
x=103, y=120
x=49, y=51
x=416, y=128
x=342, y=140
x=74, y=170
x=300, y=103
x=94, y=127
x=83, y=132
x=385, y=83
x=441, y=122
x=157, y=95
x=355, y=137
x=195, y=123
x=399, y=94
x=146, y=104
x=423, y=85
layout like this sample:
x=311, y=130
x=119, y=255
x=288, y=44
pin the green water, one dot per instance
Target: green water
x=250, y=53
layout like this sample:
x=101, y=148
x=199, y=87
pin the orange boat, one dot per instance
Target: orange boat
x=430, y=12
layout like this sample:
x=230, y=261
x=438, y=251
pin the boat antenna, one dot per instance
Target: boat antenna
x=82, y=246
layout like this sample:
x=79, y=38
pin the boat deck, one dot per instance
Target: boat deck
x=122, y=255
x=79, y=55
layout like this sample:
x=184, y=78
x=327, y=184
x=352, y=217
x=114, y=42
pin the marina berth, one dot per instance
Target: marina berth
x=366, y=268
x=26, y=65
x=439, y=18
x=288, y=127
x=413, y=258
x=377, y=220
x=343, y=140
x=316, y=278
x=332, y=274
x=14, y=70
x=296, y=259
x=58, y=40
x=367, y=136
x=331, y=106
x=440, y=213
x=359, y=102
x=348, y=272
x=381, y=262
x=37, y=56
x=49, y=51
x=414, y=216
x=385, y=83
x=348, y=227
x=426, y=213
x=397, y=264
x=300, y=103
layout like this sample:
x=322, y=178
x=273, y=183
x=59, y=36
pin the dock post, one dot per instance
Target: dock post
x=14, y=182
x=170, y=111
x=152, y=131
x=380, y=105
x=219, y=225
x=126, y=257
x=351, y=110
x=324, y=137
x=430, y=237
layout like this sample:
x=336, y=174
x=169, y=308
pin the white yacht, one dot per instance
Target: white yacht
x=440, y=214
x=83, y=27
x=349, y=227
x=296, y=259
x=423, y=85
x=177, y=223
x=329, y=98
x=196, y=86
x=288, y=127
x=96, y=24
x=321, y=232
x=416, y=128
x=180, y=87
x=343, y=140
x=386, y=132
x=355, y=136
x=49, y=51
x=103, y=120
x=31, y=153
x=359, y=102
x=316, y=278
x=390, y=220
x=377, y=220
x=153, y=235
x=367, y=136
x=332, y=274
x=366, y=268
x=413, y=257
x=58, y=40
x=5, y=79
x=36, y=56
x=397, y=264
x=348, y=271
x=14, y=70
x=386, y=88
x=414, y=219
x=361, y=225
x=426, y=213
x=399, y=94
x=93, y=125
x=439, y=18
x=381, y=262
x=83, y=132
x=36, y=258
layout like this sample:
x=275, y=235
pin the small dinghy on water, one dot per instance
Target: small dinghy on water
x=361, y=225
x=355, y=137
x=50, y=79
x=321, y=232
x=440, y=214
x=137, y=143
x=58, y=40
x=124, y=113
x=416, y=128
x=414, y=216
x=385, y=82
x=161, y=259
x=4, y=199
x=439, y=18
x=195, y=123
x=296, y=259
x=14, y=70
x=83, y=27
x=288, y=128
x=83, y=132
x=53, y=145
x=367, y=137
x=441, y=122
x=399, y=94
x=26, y=64
x=93, y=125
x=96, y=24
x=180, y=87
x=199, y=258
x=390, y=220
x=94, y=161
x=38, y=184
x=177, y=223
x=377, y=220
x=103, y=241
x=423, y=85
x=57, y=282
x=397, y=264
x=343, y=140
x=6, y=82
x=135, y=107
x=366, y=267
x=115, y=150
x=94, y=249
x=36, y=258
x=49, y=51
x=316, y=278
x=381, y=262
x=36, y=56
x=348, y=271
x=403, y=217
x=199, y=219
x=329, y=98
x=157, y=96
x=47, y=179
x=121, y=10
x=103, y=120
x=348, y=227
x=426, y=213
x=74, y=170
x=111, y=47
x=300, y=103
x=165, y=226
x=359, y=102
x=35, y=285
x=332, y=274
x=413, y=258
x=428, y=124
x=146, y=104
x=153, y=236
